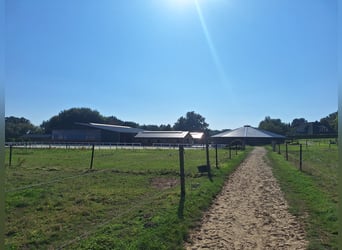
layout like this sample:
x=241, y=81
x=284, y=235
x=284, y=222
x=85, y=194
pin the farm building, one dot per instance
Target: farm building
x=149, y=138
x=247, y=135
x=312, y=128
x=198, y=137
x=96, y=132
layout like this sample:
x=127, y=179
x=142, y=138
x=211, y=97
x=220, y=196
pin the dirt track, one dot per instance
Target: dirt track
x=250, y=213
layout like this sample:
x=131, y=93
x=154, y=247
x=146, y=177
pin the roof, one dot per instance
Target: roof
x=247, y=132
x=163, y=134
x=197, y=135
x=112, y=128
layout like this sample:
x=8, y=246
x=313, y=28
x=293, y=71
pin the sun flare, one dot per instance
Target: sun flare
x=181, y=3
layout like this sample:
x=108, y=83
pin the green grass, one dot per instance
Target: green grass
x=53, y=200
x=320, y=161
x=311, y=194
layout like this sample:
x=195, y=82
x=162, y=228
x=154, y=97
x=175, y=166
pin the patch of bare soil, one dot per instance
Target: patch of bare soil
x=250, y=213
x=164, y=183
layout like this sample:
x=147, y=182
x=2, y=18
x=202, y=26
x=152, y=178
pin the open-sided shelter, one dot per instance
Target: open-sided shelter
x=198, y=137
x=164, y=137
x=247, y=135
x=96, y=132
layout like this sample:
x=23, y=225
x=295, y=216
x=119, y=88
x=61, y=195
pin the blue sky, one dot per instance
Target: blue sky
x=151, y=61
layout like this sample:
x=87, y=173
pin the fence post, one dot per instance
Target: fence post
x=208, y=160
x=181, y=170
x=279, y=148
x=92, y=156
x=216, y=156
x=236, y=149
x=10, y=156
x=286, y=152
x=230, y=152
x=300, y=156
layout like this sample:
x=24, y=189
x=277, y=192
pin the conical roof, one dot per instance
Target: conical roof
x=248, y=132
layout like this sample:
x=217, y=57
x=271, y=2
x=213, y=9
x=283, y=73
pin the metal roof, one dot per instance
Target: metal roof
x=247, y=132
x=112, y=128
x=162, y=134
x=197, y=135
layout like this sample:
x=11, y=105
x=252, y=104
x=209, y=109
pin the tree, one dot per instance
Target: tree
x=191, y=122
x=66, y=119
x=161, y=127
x=298, y=122
x=274, y=125
x=16, y=127
x=331, y=122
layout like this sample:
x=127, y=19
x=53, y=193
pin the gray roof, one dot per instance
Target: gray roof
x=247, y=132
x=112, y=128
x=162, y=134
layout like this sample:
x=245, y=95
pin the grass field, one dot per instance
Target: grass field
x=129, y=200
x=312, y=194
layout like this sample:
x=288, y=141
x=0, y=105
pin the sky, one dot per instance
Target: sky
x=151, y=61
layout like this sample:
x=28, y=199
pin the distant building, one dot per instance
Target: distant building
x=198, y=137
x=76, y=135
x=150, y=138
x=247, y=135
x=96, y=132
x=312, y=128
x=36, y=137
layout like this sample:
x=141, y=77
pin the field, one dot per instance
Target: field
x=312, y=193
x=130, y=199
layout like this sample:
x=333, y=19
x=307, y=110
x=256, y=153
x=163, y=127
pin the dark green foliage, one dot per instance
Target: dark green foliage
x=274, y=125
x=16, y=127
x=66, y=119
x=331, y=122
x=191, y=122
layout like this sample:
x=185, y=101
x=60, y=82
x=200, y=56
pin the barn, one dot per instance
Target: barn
x=247, y=135
x=161, y=138
x=96, y=132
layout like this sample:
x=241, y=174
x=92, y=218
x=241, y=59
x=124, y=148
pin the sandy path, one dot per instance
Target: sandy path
x=250, y=213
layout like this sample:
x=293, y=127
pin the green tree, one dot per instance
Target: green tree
x=192, y=122
x=274, y=125
x=67, y=119
x=16, y=127
x=152, y=127
x=331, y=122
x=298, y=122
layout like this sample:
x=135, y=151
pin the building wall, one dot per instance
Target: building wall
x=76, y=135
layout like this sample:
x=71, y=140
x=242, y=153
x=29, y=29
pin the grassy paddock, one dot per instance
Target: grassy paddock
x=130, y=200
x=311, y=194
x=320, y=161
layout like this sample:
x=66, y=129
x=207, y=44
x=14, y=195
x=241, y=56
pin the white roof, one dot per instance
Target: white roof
x=197, y=135
x=162, y=134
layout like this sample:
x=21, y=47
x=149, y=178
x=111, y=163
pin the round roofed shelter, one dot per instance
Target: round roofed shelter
x=248, y=135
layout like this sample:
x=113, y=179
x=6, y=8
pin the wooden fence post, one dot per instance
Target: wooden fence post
x=92, y=156
x=230, y=152
x=286, y=151
x=300, y=156
x=207, y=154
x=216, y=156
x=10, y=155
x=181, y=170
x=279, y=148
x=236, y=149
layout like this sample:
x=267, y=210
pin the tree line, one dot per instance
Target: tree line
x=16, y=127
